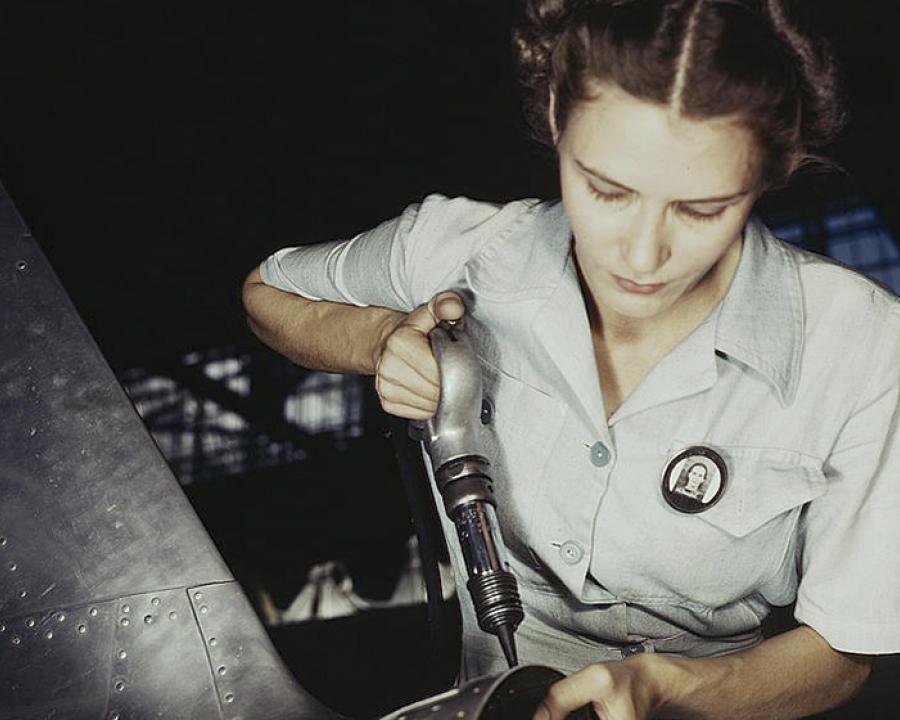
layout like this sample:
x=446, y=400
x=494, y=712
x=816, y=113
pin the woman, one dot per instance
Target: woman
x=644, y=325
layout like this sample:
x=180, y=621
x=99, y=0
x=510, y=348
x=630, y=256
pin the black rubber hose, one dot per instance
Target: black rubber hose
x=432, y=548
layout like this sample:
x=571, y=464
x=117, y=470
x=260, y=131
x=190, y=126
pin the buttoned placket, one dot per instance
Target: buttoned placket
x=689, y=369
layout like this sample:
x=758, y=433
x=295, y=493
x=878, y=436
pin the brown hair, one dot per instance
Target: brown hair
x=703, y=58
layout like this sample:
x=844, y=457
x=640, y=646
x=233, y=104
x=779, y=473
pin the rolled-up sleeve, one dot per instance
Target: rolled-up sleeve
x=850, y=563
x=400, y=264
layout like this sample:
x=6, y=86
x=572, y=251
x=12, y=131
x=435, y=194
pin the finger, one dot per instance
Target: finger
x=447, y=306
x=421, y=319
x=568, y=695
x=391, y=392
x=410, y=364
x=407, y=412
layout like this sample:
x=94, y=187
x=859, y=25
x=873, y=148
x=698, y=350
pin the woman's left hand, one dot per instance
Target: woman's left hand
x=623, y=690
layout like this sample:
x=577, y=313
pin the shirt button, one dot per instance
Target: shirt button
x=571, y=552
x=600, y=454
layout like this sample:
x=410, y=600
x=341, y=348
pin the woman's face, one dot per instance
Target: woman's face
x=657, y=203
x=696, y=476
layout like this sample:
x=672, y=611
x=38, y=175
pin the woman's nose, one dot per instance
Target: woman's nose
x=646, y=248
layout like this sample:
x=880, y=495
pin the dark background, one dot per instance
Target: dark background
x=158, y=150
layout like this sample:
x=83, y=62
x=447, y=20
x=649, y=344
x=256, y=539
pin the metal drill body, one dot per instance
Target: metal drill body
x=455, y=441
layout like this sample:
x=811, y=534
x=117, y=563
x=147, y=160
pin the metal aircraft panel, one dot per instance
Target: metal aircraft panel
x=101, y=554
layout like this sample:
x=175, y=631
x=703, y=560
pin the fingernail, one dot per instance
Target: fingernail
x=542, y=713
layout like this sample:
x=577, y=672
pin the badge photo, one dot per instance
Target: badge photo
x=694, y=479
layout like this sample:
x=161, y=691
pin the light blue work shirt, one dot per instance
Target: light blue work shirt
x=793, y=380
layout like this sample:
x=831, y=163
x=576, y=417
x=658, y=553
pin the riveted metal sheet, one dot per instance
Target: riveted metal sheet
x=88, y=506
x=74, y=642
x=89, y=512
x=159, y=666
x=246, y=666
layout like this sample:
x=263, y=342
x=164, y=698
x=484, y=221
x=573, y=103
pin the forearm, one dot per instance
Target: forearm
x=791, y=675
x=317, y=334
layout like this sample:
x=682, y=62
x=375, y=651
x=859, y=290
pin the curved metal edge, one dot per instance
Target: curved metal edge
x=515, y=693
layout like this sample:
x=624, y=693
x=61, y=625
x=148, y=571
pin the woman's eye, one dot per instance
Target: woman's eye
x=610, y=197
x=695, y=214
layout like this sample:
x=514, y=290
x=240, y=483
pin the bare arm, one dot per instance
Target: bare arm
x=792, y=675
x=332, y=336
x=317, y=334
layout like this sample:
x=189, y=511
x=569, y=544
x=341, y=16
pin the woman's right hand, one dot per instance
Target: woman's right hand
x=406, y=373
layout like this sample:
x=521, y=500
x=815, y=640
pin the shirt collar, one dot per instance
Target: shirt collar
x=761, y=322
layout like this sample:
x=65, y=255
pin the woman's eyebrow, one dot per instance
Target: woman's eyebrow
x=600, y=176
x=692, y=201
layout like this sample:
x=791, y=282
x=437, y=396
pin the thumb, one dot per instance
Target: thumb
x=447, y=306
x=443, y=306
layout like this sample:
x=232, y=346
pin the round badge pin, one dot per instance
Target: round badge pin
x=694, y=480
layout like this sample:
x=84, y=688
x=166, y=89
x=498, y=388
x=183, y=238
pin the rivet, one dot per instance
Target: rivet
x=222, y=670
x=229, y=697
x=173, y=615
x=82, y=629
x=23, y=593
x=3, y=541
x=125, y=622
x=155, y=602
x=435, y=708
x=2, y=627
x=204, y=609
x=126, y=608
x=213, y=642
x=114, y=715
x=21, y=265
x=148, y=619
x=461, y=714
x=13, y=567
x=48, y=635
x=120, y=686
x=476, y=690
x=512, y=691
x=16, y=640
x=30, y=622
x=198, y=595
x=61, y=617
x=122, y=654
x=93, y=612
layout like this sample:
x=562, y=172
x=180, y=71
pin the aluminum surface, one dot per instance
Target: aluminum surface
x=99, y=548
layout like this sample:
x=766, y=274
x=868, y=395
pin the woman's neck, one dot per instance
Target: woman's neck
x=626, y=350
x=675, y=323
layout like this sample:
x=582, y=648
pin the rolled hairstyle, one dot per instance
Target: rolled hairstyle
x=701, y=58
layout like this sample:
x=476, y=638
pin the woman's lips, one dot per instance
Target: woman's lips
x=637, y=288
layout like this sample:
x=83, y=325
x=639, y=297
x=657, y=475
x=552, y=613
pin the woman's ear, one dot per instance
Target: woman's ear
x=551, y=117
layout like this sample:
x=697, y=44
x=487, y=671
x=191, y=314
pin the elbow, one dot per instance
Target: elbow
x=250, y=297
x=251, y=282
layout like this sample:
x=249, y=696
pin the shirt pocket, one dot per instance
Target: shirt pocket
x=763, y=484
x=743, y=544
